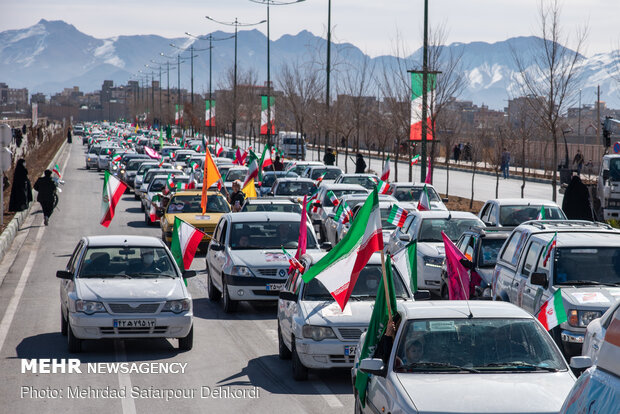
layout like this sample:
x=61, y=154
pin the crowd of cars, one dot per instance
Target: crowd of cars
x=490, y=353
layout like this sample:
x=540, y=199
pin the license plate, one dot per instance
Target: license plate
x=349, y=350
x=134, y=323
x=274, y=286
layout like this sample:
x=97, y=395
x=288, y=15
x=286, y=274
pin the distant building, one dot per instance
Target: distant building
x=13, y=96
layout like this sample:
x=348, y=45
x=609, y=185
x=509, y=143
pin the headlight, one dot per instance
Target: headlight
x=88, y=158
x=318, y=333
x=179, y=167
x=240, y=271
x=177, y=306
x=582, y=318
x=122, y=171
x=88, y=306
x=432, y=261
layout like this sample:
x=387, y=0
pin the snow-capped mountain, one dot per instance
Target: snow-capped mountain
x=52, y=55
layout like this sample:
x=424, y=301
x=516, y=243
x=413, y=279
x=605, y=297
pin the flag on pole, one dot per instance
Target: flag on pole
x=249, y=189
x=415, y=133
x=218, y=148
x=541, y=214
x=113, y=190
x=383, y=187
x=160, y=163
x=185, y=241
x=153, y=208
x=385, y=174
x=376, y=328
x=253, y=170
x=161, y=139
x=178, y=114
x=415, y=159
x=266, y=109
x=210, y=176
x=406, y=261
x=397, y=216
x=265, y=162
x=210, y=113
x=342, y=215
x=552, y=312
x=295, y=264
x=332, y=197
x=458, y=278
x=152, y=153
x=549, y=248
x=339, y=269
x=56, y=170
x=320, y=179
x=425, y=202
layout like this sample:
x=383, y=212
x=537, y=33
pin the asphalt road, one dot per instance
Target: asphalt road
x=235, y=354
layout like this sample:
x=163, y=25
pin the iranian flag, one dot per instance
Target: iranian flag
x=265, y=162
x=56, y=170
x=333, y=198
x=113, y=189
x=218, y=148
x=295, y=264
x=415, y=133
x=339, y=269
x=397, y=216
x=552, y=312
x=210, y=113
x=385, y=174
x=425, y=202
x=266, y=124
x=541, y=214
x=185, y=241
x=252, y=169
x=152, y=153
x=115, y=158
x=153, y=209
x=178, y=114
x=415, y=159
x=549, y=248
x=383, y=187
x=343, y=214
x=406, y=261
x=318, y=180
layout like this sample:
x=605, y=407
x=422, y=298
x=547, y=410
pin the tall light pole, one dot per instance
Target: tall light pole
x=424, y=94
x=236, y=23
x=160, y=101
x=329, y=42
x=152, y=88
x=168, y=80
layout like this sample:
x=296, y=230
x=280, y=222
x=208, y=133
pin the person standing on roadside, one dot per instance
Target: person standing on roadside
x=360, y=164
x=578, y=162
x=69, y=136
x=46, y=189
x=21, y=191
x=506, y=163
x=329, y=158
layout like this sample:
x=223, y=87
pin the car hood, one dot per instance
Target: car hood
x=431, y=249
x=590, y=297
x=263, y=258
x=488, y=393
x=130, y=289
x=328, y=313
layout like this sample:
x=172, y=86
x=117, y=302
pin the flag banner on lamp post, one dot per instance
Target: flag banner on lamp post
x=265, y=111
x=178, y=114
x=416, y=105
x=210, y=113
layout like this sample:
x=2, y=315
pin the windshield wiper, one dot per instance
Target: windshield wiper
x=150, y=274
x=581, y=282
x=102, y=276
x=415, y=365
x=519, y=364
x=361, y=297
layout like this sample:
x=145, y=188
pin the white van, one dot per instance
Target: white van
x=292, y=144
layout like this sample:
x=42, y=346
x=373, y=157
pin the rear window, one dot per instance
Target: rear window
x=331, y=174
x=413, y=193
x=286, y=208
x=295, y=188
x=515, y=215
x=339, y=193
x=489, y=250
x=191, y=204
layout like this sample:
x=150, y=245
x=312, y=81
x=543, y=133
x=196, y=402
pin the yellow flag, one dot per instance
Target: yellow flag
x=211, y=175
x=249, y=190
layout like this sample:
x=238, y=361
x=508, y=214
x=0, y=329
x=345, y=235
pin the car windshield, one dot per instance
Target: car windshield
x=489, y=249
x=338, y=193
x=614, y=169
x=191, y=204
x=597, y=265
x=126, y=262
x=365, y=288
x=293, y=141
x=366, y=182
x=295, y=188
x=233, y=175
x=165, y=152
x=157, y=171
x=299, y=169
x=476, y=345
x=144, y=168
x=331, y=173
x=183, y=157
x=431, y=228
x=157, y=185
x=279, y=207
x=94, y=150
x=133, y=165
x=413, y=193
x=269, y=179
x=515, y=215
x=268, y=235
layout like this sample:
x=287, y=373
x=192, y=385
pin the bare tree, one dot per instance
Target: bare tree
x=550, y=72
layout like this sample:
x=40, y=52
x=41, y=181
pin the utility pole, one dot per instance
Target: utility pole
x=424, y=95
x=598, y=113
x=327, y=70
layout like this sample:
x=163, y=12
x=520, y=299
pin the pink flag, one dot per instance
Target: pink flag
x=152, y=153
x=429, y=176
x=458, y=279
x=238, y=159
x=303, y=231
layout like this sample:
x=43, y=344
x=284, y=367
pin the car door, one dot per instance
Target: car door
x=211, y=253
x=540, y=294
x=67, y=285
x=524, y=292
x=219, y=256
x=506, y=267
x=289, y=309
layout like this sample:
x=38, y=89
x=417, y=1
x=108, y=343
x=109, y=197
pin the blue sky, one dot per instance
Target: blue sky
x=373, y=26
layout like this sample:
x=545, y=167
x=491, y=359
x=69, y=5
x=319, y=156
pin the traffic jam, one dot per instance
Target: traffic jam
x=512, y=310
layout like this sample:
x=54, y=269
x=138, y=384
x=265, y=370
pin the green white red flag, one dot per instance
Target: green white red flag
x=406, y=261
x=550, y=247
x=185, y=241
x=210, y=113
x=153, y=208
x=343, y=214
x=383, y=187
x=253, y=169
x=113, y=190
x=339, y=269
x=415, y=159
x=178, y=114
x=425, y=202
x=295, y=264
x=397, y=216
x=552, y=312
x=218, y=148
x=385, y=174
x=267, y=110
x=333, y=198
x=415, y=133
x=265, y=162
x=541, y=214
x=56, y=170
x=318, y=180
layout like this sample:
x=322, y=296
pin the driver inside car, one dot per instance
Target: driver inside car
x=147, y=263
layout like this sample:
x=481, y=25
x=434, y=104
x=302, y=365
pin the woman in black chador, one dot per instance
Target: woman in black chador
x=21, y=191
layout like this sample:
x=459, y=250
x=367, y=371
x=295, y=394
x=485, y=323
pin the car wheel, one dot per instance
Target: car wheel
x=142, y=207
x=300, y=372
x=87, y=167
x=214, y=294
x=186, y=344
x=228, y=304
x=74, y=344
x=283, y=351
x=63, y=324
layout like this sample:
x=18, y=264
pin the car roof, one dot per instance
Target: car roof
x=296, y=179
x=263, y=216
x=332, y=186
x=198, y=192
x=581, y=239
x=382, y=197
x=270, y=200
x=522, y=202
x=324, y=167
x=444, y=214
x=123, y=240
x=410, y=184
x=565, y=226
x=343, y=175
x=437, y=309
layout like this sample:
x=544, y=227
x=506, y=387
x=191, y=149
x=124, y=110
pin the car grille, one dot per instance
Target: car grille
x=350, y=334
x=136, y=330
x=272, y=272
x=341, y=359
x=127, y=308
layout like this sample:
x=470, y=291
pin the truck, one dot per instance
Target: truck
x=608, y=181
x=292, y=144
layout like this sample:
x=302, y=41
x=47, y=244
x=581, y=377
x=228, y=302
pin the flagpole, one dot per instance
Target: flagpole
x=385, y=285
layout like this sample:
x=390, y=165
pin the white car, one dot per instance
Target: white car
x=124, y=287
x=235, y=173
x=245, y=261
x=103, y=157
x=314, y=331
x=425, y=227
x=280, y=204
x=409, y=194
x=510, y=212
x=298, y=167
x=368, y=181
x=329, y=173
x=92, y=157
x=148, y=176
x=595, y=333
x=323, y=206
x=156, y=186
x=466, y=357
x=385, y=207
x=144, y=168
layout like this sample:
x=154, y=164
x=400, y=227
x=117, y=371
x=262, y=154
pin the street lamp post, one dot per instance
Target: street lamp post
x=236, y=23
x=327, y=70
x=424, y=94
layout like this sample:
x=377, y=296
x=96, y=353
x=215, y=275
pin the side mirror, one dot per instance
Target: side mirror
x=189, y=273
x=422, y=295
x=605, y=175
x=285, y=295
x=404, y=237
x=445, y=200
x=216, y=247
x=467, y=264
x=372, y=366
x=540, y=279
x=326, y=246
x=580, y=362
x=63, y=274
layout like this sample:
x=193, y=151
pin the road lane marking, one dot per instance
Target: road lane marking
x=124, y=381
x=327, y=394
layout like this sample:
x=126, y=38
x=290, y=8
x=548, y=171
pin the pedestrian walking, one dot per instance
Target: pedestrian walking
x=46, y=195
x=578, y=162
x=329, y=158
x=21, y=191
x=69, y=136
x=506, y=163
x=360, y=164
x=576, y=203
x=456, y=152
